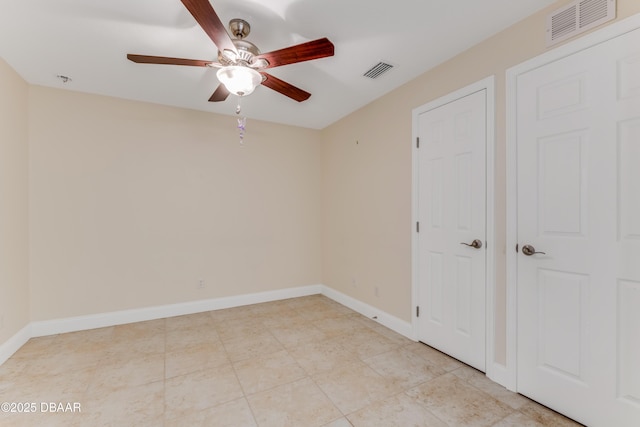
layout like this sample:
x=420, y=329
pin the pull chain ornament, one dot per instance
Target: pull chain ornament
x=242, y=122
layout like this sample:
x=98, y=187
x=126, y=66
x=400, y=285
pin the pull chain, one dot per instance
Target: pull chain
x=242, y=121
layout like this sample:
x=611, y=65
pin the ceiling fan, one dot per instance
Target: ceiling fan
x=240, y=63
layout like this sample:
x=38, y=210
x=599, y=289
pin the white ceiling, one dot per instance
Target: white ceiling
x=87, y=40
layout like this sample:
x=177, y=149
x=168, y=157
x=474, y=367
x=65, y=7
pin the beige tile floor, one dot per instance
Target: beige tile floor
x=299, y=362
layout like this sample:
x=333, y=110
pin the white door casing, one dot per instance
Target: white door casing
x=576, y=131
x=451, y=205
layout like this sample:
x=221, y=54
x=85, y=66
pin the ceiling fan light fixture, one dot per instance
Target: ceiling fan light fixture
x=239, y=80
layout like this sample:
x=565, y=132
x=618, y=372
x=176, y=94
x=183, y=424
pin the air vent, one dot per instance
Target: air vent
x=377, y=70
x=578, y=17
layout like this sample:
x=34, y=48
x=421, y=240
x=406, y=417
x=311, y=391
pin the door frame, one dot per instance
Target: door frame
x=609, y=32
x=488, y=85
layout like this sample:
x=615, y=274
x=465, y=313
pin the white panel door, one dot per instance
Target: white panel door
x=452, y=215
x=578, y=148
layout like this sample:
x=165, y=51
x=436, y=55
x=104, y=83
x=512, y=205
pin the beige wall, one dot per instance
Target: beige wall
x=131, y=204
x=14, y=263
x=367, y=174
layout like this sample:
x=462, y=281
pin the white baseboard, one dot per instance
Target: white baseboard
x=92, y=321
x=395, y=324
x=101, y=320
x=12, y=345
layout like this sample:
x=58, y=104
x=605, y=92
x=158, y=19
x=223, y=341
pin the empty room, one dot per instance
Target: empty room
x=320, y=213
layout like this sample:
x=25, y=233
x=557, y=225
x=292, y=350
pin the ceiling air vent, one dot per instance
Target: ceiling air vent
x=377, y=70
x=577, y=17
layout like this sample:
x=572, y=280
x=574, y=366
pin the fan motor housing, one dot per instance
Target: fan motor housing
x=247, y=51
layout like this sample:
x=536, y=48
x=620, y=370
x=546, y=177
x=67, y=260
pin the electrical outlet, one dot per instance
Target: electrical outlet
x=201, y=284
x=376, y=291
x=1, y=321
x=354, y=282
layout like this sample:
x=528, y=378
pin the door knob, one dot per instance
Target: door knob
x=529, y=250
x=475, y=244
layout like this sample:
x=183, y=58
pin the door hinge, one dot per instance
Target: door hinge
x=418, y=142
x=417, y=311
x=417, y=226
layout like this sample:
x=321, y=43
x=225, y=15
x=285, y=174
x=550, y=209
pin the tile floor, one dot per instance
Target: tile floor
x=299, y=362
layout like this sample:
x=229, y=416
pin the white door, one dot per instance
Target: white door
x=452, y=215
x=578, y=150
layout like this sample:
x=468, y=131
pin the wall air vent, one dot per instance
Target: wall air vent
x=578, y=17
x=377, y=70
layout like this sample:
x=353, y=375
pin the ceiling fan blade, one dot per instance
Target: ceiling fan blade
x=287, y=89
x=220, y=94
x=315, y=49
x=208, y=19
x=146, y=59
